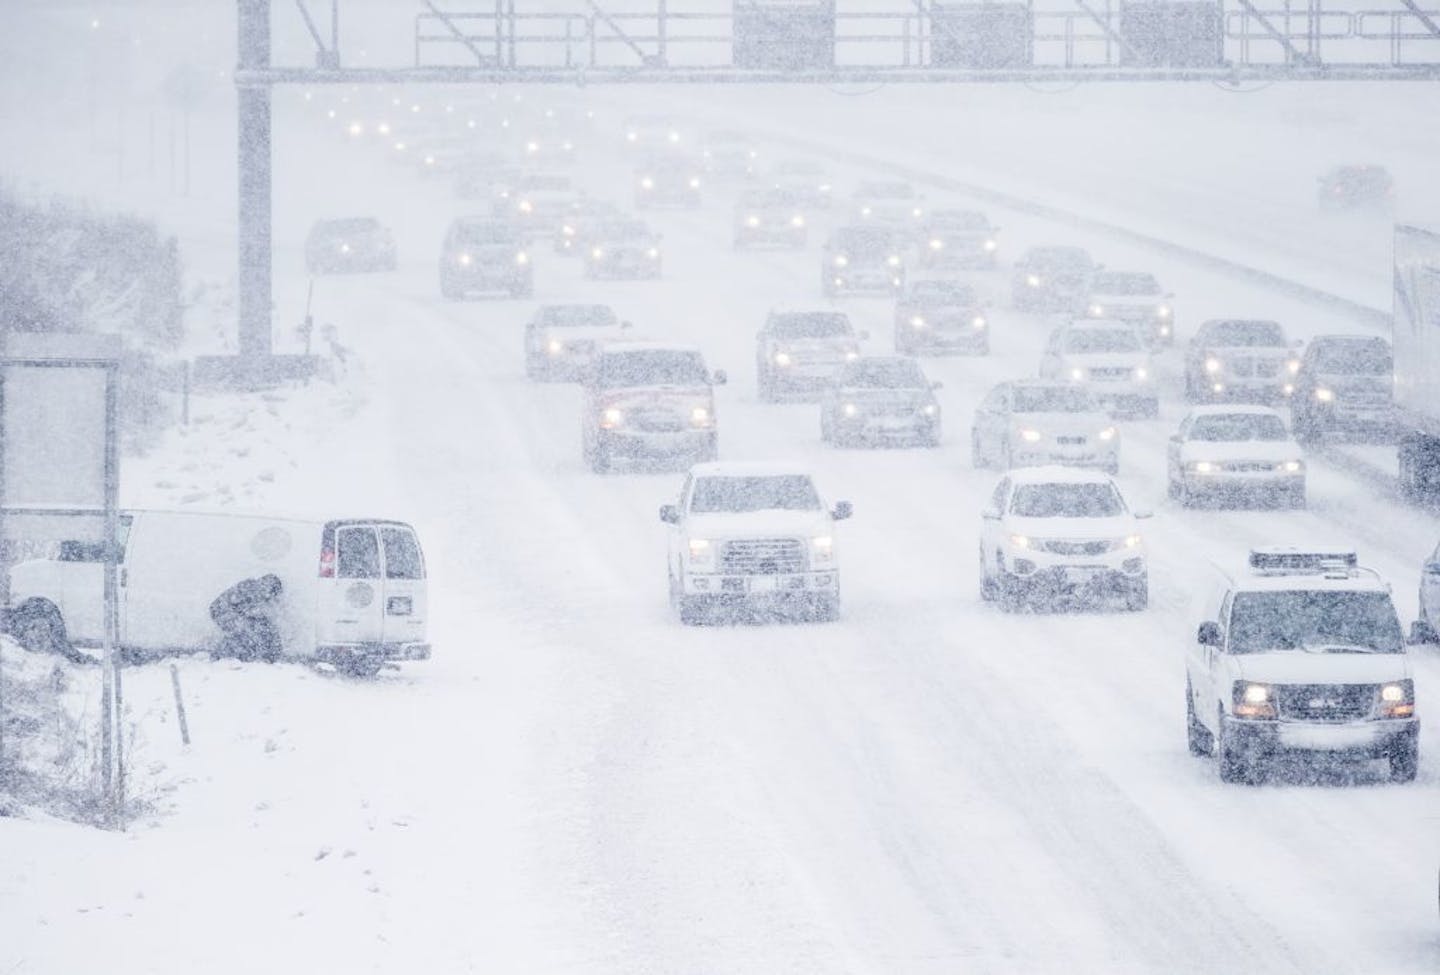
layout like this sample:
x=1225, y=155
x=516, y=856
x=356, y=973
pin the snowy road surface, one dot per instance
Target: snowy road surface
x=577, y=783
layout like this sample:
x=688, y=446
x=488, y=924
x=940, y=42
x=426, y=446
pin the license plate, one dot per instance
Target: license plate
x=764, y=583
x=1079, y=575
x=398, y=606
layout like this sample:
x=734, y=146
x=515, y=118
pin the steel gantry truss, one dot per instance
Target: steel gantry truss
x=871, y=41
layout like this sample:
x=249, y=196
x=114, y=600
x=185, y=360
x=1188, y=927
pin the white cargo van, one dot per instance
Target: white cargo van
x=354, y=590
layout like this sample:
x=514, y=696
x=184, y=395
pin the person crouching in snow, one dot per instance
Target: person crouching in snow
x=245, y=615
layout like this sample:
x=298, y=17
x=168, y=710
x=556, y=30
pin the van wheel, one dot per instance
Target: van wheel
x=693, y=610
x=364, y=667
x=38, y=627
x=1201, y=742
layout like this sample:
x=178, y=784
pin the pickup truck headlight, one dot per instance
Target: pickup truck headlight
x=917, y=321
x=990, y=245
x=1131, y=541
x=1325, y=395
x=647, y=183
x=978, y=322
x=782, y=358
x=936, y=244
x=463, y=260
x=1142, y=374
x=797, y=221
x=1162, y=311
x=752, y=221
x=851, y=355
x=841, y=260
x=822, y=550
x=597, y=253
x=1033, y=280
x=1108, y=434
x=554, y=347
x=611, y=417
x=1212, y=364
x=1294, y=466
x=701, y=551
x=1097, y=310
x=1256, y=701
x=893, y=260
x=694, y=182
x=1020, y=541
x=653, y=253
x=522, y=258
x=1397, y=699
x=1030, y=435
x=1077, y=374
x=849, y=409
x=700, y=416
x=525, y=206
x=1202, y=467
x=1293, y=366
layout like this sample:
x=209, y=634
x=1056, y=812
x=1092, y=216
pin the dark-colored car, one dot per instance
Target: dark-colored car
x=623, y=248
x=799, y=351
x=1052, y=278
x=1345, y=383
x=880, y=399
x=1355, y=186
x=957, y=238
x=485, y=255
x=940, y=316
x=349, y=244
x=668, y=180
x=863, y=259
x=1239, y=359
x=770, y=217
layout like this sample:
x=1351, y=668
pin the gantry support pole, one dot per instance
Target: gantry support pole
x=253, y=160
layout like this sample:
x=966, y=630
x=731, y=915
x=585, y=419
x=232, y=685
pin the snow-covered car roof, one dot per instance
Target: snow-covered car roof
x=1056, y=474
x=750, y=468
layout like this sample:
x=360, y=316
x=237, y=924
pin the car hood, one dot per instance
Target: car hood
x=749, y=524
x=1258, y=351
x=1107, y=360
x=867, y=395
x=637, y=396
x=1267, y=450
x=1300, y=667
x=840, y=343
x=1062, y=424
x=1071, y=528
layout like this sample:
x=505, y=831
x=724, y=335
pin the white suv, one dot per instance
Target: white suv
x=752, y=537
x=1299, y=653
x=1108, y=358
x=1055, y=532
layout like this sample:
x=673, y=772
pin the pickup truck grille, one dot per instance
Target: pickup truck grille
x=1117, y=374
x=1326, y=702
x=762, y=556
x=1243, y=368
x=1057, y=547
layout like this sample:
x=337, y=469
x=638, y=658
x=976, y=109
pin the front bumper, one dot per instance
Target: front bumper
x=865, y=280
x=1255, y=740
x=761, y=587
x=1126, y=399
x=774, y=233
x=959, y=339
x=624, y=266
x=1223, y=388
x=1106, y=459
x=483, y=277
x=1243, y=483
x=914, y=425
x=1095, y=576
x=655, y=444
x=341, y=653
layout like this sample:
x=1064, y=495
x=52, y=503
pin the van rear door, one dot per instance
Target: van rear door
x=406, y=598
x=357, y=588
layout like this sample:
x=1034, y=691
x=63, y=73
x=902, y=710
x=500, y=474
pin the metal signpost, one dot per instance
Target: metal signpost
x=59, y=481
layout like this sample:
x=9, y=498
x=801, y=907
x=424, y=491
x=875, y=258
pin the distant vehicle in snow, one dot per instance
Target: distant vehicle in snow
x=880, y=399
x=1354, y=186
x=577, y=226
x=1036, y=422
x=1108, y=358
x=952, y=238
x=485, y=255
x=539, y=200
x=862, y=259
x=649, y=133
x=729, y=155
x=354, y=591
x=770, y=217
x=1241, y=359
x=1299, y=653
x=806, y=178
x=752, y=538
x=939, y=315
x=548, y=148
x=1236, y=454
x=349, y=244
x=480, y=174
x=1053, y=535
x=888, y=203
x=1135, y=297
x=671, y=180
x=798, y=351
x=649, y=401
x=1427, y=628
x=622, y=248
x=561, y=340
x=1345, y=383
x=1052, y=278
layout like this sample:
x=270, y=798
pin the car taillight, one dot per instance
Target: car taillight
x=327, y=564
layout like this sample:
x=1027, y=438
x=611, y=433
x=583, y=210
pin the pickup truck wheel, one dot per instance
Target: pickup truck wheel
x=364, y=666
x=826, y=609
x=1405, y=760
x=987, y=584
x=38, y=627
x=693, y=610
x=1201, y=742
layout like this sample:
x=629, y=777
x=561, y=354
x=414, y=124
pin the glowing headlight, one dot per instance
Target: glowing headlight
x=1030, y=436
x=1164, y=329
x=1392, y=692
x=399, y=147
x=841, y=260
x=917, y=321
x=522, y=258
x=525, y=206
x=1130, y=541
x=822, y=548
x=1141, y=373
x=430, y=160
x=1325, y=395
x=554, y=346
x=1097, y=310
x=1255, y=694
x=1163, y=311
x=916, y=212
x=532, y=147
x=893, y=260
x=990, y=245
x=1108, y=434
x=1077, y=374
x=978, y=321
x=1202, y=467
x=752, y=221
x=1294, y=466
x=823, y=188
x=851, y=355
x=936, y=244
x=567, y=146
x=850, y=409
x=631, y=136
x=1293, y=365
x=694, y=182
x=1212, y=364
x=864, y=211
x=1033, y=280
x=464, y=260
x=597, y=253
x=1253, y=700
x=568, y=230
x=1020, y=541
x=1397, y=700
x=653, y=253
x=647, y=183
x=700, y=416
x=929, y=409
x=344, y=248
x=673, y=136
x=700, y=550
x=611, y=417
x=798, y=220
x=383, y=128
x=782, y=358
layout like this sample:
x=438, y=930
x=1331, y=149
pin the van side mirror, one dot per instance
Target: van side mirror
x=1209, y=634
x=670, y=514
x=990, y=514
x=720, y=378
x=1142, y=515
x=843, y=510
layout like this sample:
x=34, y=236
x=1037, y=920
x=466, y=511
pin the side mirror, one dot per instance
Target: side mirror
x=863, y=335
x=627, y=324
x=1142, y=515
x=937, y=384
x=1422, y=632
x=843, y=510
x=1175, y=438
x=720, y=378
x=990, y=514
x=1209, y=634
x=670, y=514
x=1432, y=568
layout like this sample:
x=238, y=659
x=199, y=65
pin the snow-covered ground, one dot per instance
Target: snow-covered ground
x=578, y=783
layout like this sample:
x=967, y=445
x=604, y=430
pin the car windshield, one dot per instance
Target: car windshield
x=1060, y=500
x=652, y=367
x=1228, y=427
x=570, y=316
x=488, y=233
x=819, y=325
x=1244, y=333
x=1086, y=340
x=1061, y=259
x=352, y=225
x=1054, y=399
x=950, y=292
x=1370, y=357
x=864, y=241
x=1124, y=283
x=883, y=374
x=960, y=220
x=1317, y=621
x=785, y=492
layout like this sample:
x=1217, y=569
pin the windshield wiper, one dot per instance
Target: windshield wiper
x=1332, y=647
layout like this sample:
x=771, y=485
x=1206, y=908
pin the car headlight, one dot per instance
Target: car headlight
x=522, y=258
x=978, y=322
x=917, y=213
x=1164, y=329
x=893, y=260
x=1097, y=310
x=647, y=183
x=1397, y=699
x=611, y=417
x=694, y=182
x=383, y=128
x=851, y=355
x=822, y=549
x=701, y=550
x=1030, y=435
x=464, y=260
x=399, y=147
x=990, y=245
x=356, y=129
x=653, y=253
x=554, y=346
x=532, y=147
x=864, y=211
x=936, y=244
x=1293, y=365
x=798, y=220
x=1253, y=700
x=841, y=260
x=1325, y=395
x=1141, y=373
x=568, y=230
x=525, y=206
x=597, y=252
x=1108, y=434
x=1294, y=466
x=700, y=416
x=1163, y=311
x=823, y=188
x=1130, y=541
x=1020, y=541
x=917, y=321
x=1077, y=374
x=631, y=136
x=1033, y=280
x=429, y=160
x=782, y=358
x=344, y=248
x=1202, y=467
x=673, y=136
x=1212, y=364
x=567, y=146
x=929, y=409
x=850, y=409
x=752, y=221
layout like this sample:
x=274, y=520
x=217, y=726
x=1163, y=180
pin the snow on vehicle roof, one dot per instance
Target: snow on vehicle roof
x=749, y=468
x=1056, y=474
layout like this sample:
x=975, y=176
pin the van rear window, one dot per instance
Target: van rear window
x=402, y=554
x=358, y=555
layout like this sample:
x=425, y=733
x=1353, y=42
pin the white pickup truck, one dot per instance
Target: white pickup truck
x=752, y=538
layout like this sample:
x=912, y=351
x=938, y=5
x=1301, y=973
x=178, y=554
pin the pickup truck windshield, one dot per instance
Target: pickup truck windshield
x=1231, y=427
x=657, y=367
x=1066, y=501
x=1102, y=340
x=1054, y=399
x=1316, y=621
x=785, y=492
x=1243, y=334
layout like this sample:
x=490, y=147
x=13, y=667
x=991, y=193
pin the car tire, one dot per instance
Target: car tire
x=362, y=667
x=988, y=589
x=1137, y=596
x=1296, y=499
x=1011, y=593
x=977, y=453
x=1405, y=760
x=1198, y=737
x=694, y=610
x=598, y=459
x=1230, y=764
x=932, y=437
x=766, y=384
x=825, y=608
